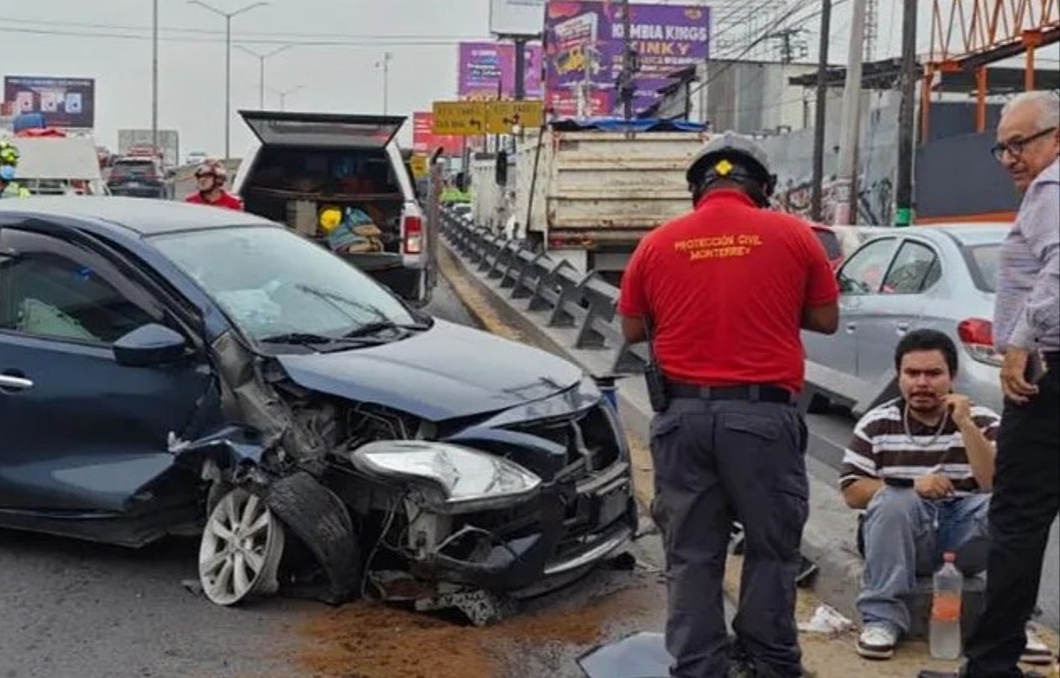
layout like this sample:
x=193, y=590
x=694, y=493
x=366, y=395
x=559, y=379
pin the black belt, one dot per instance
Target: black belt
x=766, y=393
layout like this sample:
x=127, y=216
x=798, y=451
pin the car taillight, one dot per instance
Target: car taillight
x=977, y=335
x=412, y=227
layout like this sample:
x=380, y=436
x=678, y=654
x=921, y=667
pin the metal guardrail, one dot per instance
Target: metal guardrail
x=587, y=303
x=584, y=302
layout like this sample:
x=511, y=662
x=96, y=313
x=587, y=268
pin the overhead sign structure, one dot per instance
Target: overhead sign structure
x=64, y=102
x=460, y=118
x=501, y=116
x=517, y=17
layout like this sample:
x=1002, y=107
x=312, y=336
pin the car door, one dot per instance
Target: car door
x=885, y=317
x=859, y=277
x=81, y=433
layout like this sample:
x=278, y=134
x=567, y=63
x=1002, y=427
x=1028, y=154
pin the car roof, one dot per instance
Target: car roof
x=972, y=233
x=143, y=216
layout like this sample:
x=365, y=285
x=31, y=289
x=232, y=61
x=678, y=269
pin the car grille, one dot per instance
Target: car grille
x=588, y=437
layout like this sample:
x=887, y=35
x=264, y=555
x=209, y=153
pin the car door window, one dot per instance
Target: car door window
x=863, y=273
x=915, y=269
x=48, y=295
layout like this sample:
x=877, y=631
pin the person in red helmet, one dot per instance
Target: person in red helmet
x=210, y=179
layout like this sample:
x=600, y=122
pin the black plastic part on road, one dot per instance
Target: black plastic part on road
x=641, y=655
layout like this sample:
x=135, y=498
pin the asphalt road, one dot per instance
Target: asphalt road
x=834, y=431
x=79, y=610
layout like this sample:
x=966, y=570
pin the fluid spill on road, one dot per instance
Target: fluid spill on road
x=371, y=640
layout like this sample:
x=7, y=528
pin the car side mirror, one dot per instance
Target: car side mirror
x=148, y=345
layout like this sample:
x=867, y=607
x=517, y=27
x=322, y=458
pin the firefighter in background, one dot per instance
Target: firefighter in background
x=210, y=178
x=9, y=188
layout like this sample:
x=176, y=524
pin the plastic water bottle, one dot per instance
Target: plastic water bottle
x=945, y=633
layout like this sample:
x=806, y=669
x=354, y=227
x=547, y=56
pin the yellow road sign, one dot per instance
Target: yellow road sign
x=419, y=166
x=460, y=118
x=501, y=115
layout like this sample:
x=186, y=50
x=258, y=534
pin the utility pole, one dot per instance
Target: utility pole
x=384, y=64
x=820, y=114
x=261, y=68
x=846, y=179
x=520, y=68
x=228, y=63
x=906, y=118
x=154, y=81
x=626, y=85
x=282, y=94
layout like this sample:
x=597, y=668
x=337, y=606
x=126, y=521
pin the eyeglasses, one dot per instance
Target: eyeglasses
x=1017, y=146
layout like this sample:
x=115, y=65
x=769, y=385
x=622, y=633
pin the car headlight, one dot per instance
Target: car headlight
x=451, y=478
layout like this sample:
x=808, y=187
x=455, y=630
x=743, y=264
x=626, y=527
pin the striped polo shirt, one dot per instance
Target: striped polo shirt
x=882, y=448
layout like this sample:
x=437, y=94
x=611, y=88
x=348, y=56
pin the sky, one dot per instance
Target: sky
x=333, y=62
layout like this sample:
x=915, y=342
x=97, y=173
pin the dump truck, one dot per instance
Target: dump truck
x=588, y=192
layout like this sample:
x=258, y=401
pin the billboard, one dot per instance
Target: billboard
x=488, y=68
x=64, y=102
x=516, y=17
x=584, y=41
x=425, y=141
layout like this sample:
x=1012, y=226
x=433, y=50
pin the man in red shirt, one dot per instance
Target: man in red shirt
x=722, y=294
x=210, y=178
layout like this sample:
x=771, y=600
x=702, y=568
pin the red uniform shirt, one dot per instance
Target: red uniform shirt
x=226, y=199
x=725, y=287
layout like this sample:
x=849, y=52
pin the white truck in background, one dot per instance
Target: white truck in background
x=587, y=196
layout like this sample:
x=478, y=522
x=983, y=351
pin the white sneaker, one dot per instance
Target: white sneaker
x=877, y=641
x=1035, y=651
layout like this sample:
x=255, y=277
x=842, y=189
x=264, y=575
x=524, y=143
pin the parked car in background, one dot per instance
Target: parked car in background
x=196, y=158
x=942, y=277
x=830, y=241
x=138, y=177
x=165, y=367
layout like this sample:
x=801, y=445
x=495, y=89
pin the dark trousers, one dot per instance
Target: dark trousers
x=716, y=461
x=1026, y=498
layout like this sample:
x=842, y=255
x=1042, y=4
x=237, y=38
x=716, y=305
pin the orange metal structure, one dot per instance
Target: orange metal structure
x=967, y=35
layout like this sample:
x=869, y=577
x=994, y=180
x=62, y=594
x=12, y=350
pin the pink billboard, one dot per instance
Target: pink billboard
x=487, y=69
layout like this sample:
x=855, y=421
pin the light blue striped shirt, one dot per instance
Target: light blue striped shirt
x=1027, y=310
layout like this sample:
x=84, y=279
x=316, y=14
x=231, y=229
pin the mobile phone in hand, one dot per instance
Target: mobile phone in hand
x=1036, y=367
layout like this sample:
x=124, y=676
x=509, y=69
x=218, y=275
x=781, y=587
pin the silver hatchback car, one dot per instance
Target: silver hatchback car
x=942, y=277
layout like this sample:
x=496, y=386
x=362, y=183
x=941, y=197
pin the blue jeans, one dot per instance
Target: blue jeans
x=906, y=537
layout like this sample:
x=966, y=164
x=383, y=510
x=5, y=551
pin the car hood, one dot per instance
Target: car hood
x=445, y=372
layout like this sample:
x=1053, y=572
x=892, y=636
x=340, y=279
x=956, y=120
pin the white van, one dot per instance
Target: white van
x=302, y=163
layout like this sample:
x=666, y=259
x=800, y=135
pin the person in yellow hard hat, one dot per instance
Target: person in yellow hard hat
x=9, y=157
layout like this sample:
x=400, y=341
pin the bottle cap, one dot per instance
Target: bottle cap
x=949, y=556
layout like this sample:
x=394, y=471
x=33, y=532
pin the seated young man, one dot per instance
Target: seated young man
x=922, y=467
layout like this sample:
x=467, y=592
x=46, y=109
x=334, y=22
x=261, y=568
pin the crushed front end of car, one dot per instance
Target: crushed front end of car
x=473, y=511
x=515, y=505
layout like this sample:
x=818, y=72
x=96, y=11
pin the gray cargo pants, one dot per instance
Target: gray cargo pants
x=716, y=461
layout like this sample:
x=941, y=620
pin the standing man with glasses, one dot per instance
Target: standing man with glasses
x=1026, y=495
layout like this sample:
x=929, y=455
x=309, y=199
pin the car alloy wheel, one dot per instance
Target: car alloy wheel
x=241, y=547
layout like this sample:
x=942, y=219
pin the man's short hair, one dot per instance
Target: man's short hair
x=1047, y=103
x=926, y=340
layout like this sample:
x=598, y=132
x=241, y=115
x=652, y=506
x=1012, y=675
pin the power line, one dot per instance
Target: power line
x=36, y=24
x=798, y=6
x=363, y=42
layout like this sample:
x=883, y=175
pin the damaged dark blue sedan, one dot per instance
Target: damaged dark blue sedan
x=173, y=369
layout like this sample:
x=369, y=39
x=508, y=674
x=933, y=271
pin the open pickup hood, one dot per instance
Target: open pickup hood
x=322, y=130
